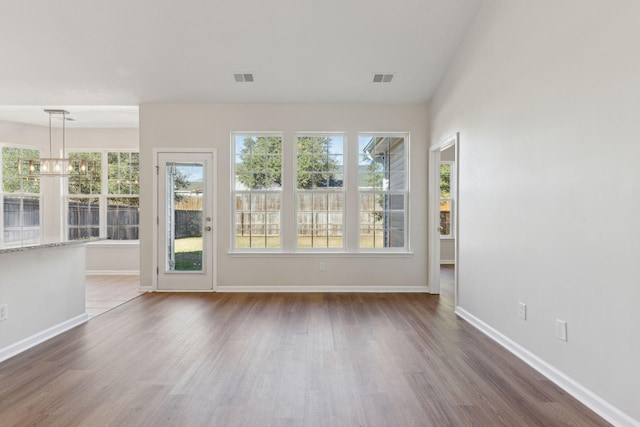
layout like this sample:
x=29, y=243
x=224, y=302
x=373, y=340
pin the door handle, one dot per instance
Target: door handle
x=207, y=228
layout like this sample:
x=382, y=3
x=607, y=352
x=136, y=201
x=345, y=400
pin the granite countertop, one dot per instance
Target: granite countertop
x=49, y=245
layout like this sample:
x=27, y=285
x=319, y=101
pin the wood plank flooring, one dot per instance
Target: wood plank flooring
x=106, y=292
x=279, y=360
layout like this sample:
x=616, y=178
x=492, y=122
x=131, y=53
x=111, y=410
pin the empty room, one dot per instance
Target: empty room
x=320, y=213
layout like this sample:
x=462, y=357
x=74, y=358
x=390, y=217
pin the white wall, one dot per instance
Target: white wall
x=195, y=126
x=101, y=257
x=42, y=288
x=546, y=97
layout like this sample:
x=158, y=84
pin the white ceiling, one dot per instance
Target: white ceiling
x=69, y=53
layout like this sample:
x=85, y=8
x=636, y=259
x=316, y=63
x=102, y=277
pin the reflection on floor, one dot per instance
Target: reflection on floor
x=106, y=292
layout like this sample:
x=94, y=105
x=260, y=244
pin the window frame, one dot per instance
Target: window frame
x=405, y=193
x=452, y=184
x=338, y=190
x=20, y=195
x=102, y=197
x=235, y=192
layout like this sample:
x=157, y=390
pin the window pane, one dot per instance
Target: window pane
x=123, y=218
x=445, y=180
x=83, y=218
x=258, y=162
x=21, y=220
x=79, y=185
x=320, y=220
x=257, y=220
x=320, y=161
x=445, y=217
x=382, y=220
x=258, y=202
x=123, y=173
x=11, y=181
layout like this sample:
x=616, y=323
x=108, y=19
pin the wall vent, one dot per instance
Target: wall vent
x=382, y=78
x=243, y=78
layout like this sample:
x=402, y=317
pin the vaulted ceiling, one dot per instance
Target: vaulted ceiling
x=125, y=53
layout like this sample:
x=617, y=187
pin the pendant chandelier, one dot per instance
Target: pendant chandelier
x=34, y=168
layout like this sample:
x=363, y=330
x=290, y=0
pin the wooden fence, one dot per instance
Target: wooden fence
x=84, y=221
x=21, y=220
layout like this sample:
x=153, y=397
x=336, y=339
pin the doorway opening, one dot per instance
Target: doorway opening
x=443, y=216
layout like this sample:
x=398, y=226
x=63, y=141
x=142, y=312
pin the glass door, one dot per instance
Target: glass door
x=185, y=252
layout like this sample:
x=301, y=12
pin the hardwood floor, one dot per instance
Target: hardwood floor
x=106, y=292
x=279, y=360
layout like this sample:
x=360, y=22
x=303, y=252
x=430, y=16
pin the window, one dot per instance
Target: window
x=382, y=187
x=20, y=200
x=320, y=191
x=257, y=191
x=123, y=202
x=446, y=205
x=322, y=204
x=112, y=210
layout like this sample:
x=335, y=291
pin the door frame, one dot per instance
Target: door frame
x=156, y=226
x=434, y=214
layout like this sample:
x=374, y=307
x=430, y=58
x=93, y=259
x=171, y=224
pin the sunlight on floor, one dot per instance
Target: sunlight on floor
x=106, y=292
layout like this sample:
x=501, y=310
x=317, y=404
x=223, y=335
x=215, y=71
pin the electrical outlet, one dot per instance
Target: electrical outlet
x=323, y=267
x=561, y=330
x=522, y=310
x=4, y=312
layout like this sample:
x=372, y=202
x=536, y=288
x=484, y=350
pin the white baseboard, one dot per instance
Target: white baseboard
x=113, y=272
x=447, y=261
x=41, y=337
x=575, y=389
x=321, y=288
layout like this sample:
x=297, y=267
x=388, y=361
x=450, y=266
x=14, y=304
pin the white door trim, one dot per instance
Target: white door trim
x=434, y=214
x=156, y=230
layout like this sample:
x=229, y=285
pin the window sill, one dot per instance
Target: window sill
x=115, y=243
x=325, y=254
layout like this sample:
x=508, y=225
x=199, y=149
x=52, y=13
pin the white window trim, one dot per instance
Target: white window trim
x=344, y=191
x=234, y=192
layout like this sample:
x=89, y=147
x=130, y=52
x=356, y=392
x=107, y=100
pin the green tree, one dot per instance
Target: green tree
x=123, y=172
x=445, y=181
x=11, y=181
x=260, y=164
x=373, y=175
x=317, y=166
x=78, y=185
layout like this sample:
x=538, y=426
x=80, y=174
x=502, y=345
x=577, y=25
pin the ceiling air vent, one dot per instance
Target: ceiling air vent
x=382, y=78
x=243, y=78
